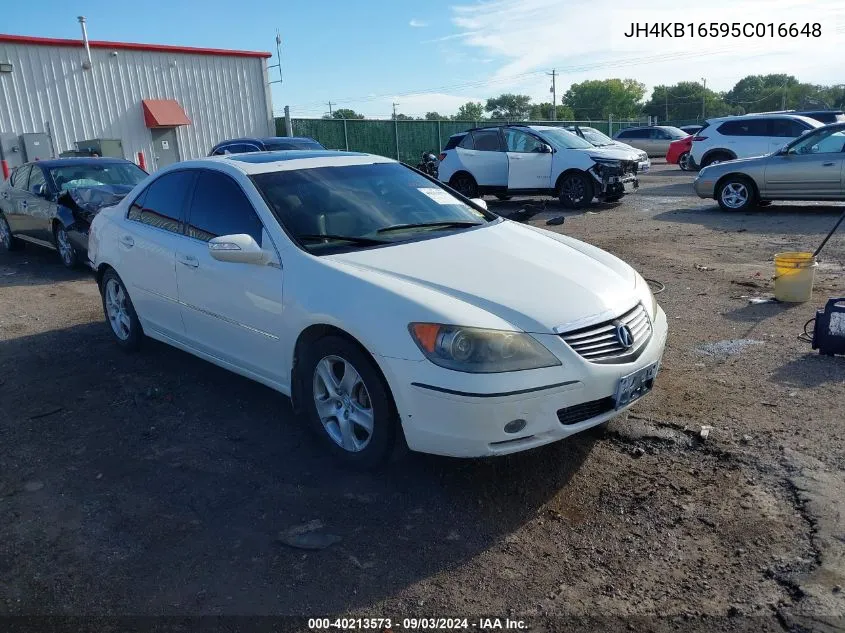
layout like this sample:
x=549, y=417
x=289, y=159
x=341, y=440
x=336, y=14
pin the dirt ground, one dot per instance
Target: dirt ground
x=158, y=484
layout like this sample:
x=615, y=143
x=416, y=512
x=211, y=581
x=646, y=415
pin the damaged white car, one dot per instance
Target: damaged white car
x=512, y=160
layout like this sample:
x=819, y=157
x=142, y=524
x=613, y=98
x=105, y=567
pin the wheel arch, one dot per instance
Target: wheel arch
x=738, y=175
x=568, y=172
x=717, y=150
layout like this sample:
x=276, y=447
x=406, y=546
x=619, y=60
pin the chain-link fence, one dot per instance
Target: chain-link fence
x=407, y=140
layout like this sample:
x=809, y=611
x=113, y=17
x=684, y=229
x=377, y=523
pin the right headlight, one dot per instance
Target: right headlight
x=646, y=296
x=478, y=350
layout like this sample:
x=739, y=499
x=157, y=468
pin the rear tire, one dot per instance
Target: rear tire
x=120, y=313
x=575, y=190
x=684, y=162
x=465, y=185
x=348, y=402
x=736, y=193
x=8, y=241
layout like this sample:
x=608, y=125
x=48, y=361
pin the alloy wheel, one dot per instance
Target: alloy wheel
x=573, y=189
x=5, y=234
x=683, y=161
x=116, y=310
x=65, y=247
x=464, y=186
x=735, y=195
x=343, y=403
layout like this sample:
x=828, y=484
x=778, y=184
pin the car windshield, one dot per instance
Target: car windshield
x=94, y=175
x=826, y=141
x=565, y=140
x=298, y=144
x=596, y=138
x=369, y=204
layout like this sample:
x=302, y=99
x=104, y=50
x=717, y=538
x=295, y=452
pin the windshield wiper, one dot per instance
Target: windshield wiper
x=364, y=241
x=421, y=225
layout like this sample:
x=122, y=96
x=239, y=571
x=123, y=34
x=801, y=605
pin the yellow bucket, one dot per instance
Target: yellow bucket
x=794, y=276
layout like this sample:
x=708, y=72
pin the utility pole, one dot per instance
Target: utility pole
x=331, y=115
x=394, y=109
x=278, y=63
x=396, y=130
x=783, y=99
x=554, y=94
x=703, y=96
x=666, y=95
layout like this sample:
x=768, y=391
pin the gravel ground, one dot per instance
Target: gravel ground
x=158, y=484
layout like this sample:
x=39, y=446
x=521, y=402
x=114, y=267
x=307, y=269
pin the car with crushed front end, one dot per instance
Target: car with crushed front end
x=599, y=139
x=812, y=167
x=509, y=160
x=351, y=283
x=52, y=203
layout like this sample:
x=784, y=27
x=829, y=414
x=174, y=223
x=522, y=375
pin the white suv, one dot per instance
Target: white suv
x=727, y=138
x=519, y=159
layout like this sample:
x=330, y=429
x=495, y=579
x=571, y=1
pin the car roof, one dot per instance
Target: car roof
x=265, y=139
x=78, y=160
x=284, y=160
x=765, y=115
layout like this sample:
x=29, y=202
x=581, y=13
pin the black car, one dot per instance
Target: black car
x=269, y=144
x=52, y=202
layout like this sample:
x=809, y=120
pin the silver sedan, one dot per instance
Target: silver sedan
x=812, y=167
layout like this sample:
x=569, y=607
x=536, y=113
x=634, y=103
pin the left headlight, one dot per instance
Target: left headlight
x=646, y=296
x=480, y=351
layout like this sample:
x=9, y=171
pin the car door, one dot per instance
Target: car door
x=529, y=161
x=41, y=206
x=813, y=167
x=481, y=153
x=13, y=200
x=148, y=241
x=659, y=140
x=231, y=311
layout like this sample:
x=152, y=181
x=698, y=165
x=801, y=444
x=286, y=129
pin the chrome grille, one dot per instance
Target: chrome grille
x=599, y=343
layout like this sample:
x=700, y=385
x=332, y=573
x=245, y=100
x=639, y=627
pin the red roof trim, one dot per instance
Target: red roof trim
x=157, y=48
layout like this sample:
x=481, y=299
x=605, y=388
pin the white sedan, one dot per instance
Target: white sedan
x=379, y=300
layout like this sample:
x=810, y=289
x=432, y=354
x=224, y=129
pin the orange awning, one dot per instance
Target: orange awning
x=164, y=113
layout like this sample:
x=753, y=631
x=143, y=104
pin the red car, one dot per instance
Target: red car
x=678, y=153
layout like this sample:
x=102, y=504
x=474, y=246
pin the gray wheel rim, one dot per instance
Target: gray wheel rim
x=683, y=162
x=573, y=189
x=5, y=233
x=343, y=403
x=734, y=195
x=117, y=311
x=65, y=247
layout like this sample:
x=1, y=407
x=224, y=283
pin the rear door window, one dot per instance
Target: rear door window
x=487, y=140
x=787, y=128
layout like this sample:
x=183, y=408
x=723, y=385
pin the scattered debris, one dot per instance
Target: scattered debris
x=759, y=300
x=33, y=486
x=746, y=439
x=727, y=347
x=704, y=433
x=708, y=522
x=46, y=413
x=700, y=267
x=747, y=284
x=637, y=452
x=837, y=589
x=769, y=404
x=558, y=219
x=307, y=536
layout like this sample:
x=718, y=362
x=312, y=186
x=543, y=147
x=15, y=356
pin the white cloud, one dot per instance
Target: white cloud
x=584, y=40
x=417, y=24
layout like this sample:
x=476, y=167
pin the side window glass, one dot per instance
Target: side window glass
x=518, y=141
x=486, y=141
x=20, y=177
x=137, y=206
x=466, y=142
x=220, y=207
x=36, y=178
x=781, y=128
x=164, y=201
x=659, y=134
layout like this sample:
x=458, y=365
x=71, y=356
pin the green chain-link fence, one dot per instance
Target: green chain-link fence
x=405, y=140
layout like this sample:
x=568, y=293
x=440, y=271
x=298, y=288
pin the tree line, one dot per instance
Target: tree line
x=625, y=99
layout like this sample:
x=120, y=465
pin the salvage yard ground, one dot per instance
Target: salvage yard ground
x=157, y=483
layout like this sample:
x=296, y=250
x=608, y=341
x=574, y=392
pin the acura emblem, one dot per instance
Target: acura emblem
x=624, y=335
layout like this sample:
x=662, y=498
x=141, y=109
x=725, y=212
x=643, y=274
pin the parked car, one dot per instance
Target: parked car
x=600, y=139
x=270, y=144
x=811, y=167
x=823, y=116
x=51, y=203
x=519, y=159
x=653, y=139
x=690, y=129
x=341, y=279
x=679, y=153
x=727, y=138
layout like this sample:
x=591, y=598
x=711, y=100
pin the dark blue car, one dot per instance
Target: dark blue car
x=269, y=144
x=51, y=203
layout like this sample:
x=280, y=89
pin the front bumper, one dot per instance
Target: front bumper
x=704, y=186
x=464, y=415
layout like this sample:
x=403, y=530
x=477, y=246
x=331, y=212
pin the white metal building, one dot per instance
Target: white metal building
x=169, y=102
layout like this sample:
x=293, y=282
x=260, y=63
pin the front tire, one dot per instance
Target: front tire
x=736, y=193
x=120, y=313
x=465, y=185
x=348, y=403
x=575, y=191
x=7, y=240
x=67, y=253
x=684, y=161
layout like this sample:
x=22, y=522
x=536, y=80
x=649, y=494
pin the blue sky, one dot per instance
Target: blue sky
x=437, y=54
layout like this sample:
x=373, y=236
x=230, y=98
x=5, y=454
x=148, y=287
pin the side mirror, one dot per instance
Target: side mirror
x=40, y=190
x=237, y=249
x=545, y=149
x=479, y=202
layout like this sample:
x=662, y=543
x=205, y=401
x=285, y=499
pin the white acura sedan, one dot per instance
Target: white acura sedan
x=379, y=300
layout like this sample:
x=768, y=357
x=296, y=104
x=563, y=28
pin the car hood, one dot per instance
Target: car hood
x=624, y=147
x=615, y=153
x=733, y=165
x=86, y=202
x=540, y=282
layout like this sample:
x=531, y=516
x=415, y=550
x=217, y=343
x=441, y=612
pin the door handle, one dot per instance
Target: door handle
x=187, y=260
x=127, y=241
x=827, y=164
